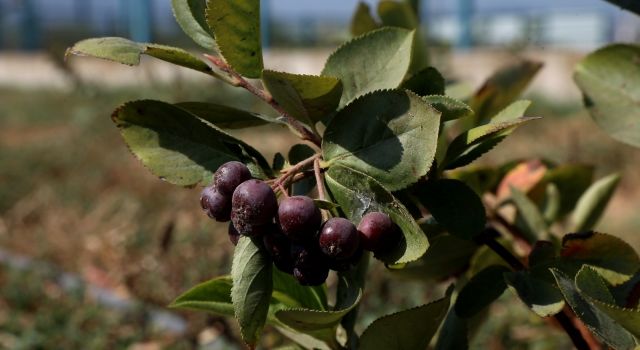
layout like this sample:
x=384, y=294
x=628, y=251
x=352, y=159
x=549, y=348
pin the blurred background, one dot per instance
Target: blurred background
x=93, y=247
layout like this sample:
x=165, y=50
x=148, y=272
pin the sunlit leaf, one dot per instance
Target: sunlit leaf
x=236, y=27
x=384, y=70
x=396, y=137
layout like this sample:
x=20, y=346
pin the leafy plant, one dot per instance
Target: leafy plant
x=389, y=160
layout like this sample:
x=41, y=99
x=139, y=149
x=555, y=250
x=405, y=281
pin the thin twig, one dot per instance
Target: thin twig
x=283, y=191
x=294, y=170
x=240, y=81
x=322, y=191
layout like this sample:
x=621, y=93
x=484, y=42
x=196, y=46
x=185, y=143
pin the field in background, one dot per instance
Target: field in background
x=73, y=199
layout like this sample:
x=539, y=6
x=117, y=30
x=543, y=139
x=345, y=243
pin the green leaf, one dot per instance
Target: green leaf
x=402, y=15
x=627, y=5
x=211, y=296
x=177, y=146
x=407, y=329
x=593, y=202
x=530, y=219
x=609, y=80
x=449, y=107
x=572, y=180
x=541, y=296
x=598, y=322
x=428, y=81
x=483, y=288
x=252, y=288
x=612, y=257
x=289, y=292
x=594, y=289
x=502, y=88
x=190, y=16
x=447, y=256
x=305, y=320
x=470, y=145
x=384, y=70
x=551, y=204
x=390, y=135
x=327, y=205
x=307, y=98
x=350, y=283
x=480, y=178
x=454, y=333
x=359, y=194
x=236, y=27
x=512, y=112
x=128, y=52
x=298, y=153
x=454, y=205
x=362, y=21
x=225, y=117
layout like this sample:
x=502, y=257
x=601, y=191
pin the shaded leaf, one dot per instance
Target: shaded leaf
x=288, y=291
x=190, y=16
x=224, y=116
x=177, y=146
x=327, y=205
x=480, y=178
x=396, y=137
x=571, y=180
x=358, y=194
x=481, y=290
x=428, y=81
x=278, y=161
x=609, y=80
x=407, y=329
x=252, y=288
x=593, y=202
x=530, y=219
x=594, y=289
x=598, y=322
x=470, y=145
x=384, y=70
x=454, y=333
x=502, y=88
x=454, y=205
x=362, y=21
x=307, y=98
x=449, y=107
x=236, y=27
x=211, y=296
x=304, y=320
x=541, y=296
x=612, y=257
x=350, y=283
x=298, y=153
x=447, y=256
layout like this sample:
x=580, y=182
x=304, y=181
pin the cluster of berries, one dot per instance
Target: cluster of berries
x=292, y=231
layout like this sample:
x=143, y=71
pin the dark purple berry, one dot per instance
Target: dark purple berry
x=279, y=247
x=339, y=238
x=299, y=217
x=215, y=204
x=253, y=203
x=229, y=175
x=246, y=229
x=310, y=266
x=234, y=236
x=378, y=233
x=347, y=264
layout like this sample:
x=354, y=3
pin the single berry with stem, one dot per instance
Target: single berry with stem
x=378, y=232
x=253, y=204
x=299, y=217
x=339, y=238
x=215, y=204
x=229, y=176
x=310, y=266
